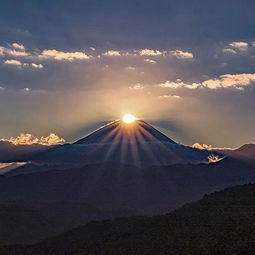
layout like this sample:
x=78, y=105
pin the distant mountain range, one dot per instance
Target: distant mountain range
x=19, y=153
x=118, y=143
x=220, y=223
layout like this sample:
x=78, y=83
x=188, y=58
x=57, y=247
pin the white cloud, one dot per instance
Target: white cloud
x=29, y=139
x=214, y=158
x=181, y=54
x=39, y=66
x=243, y=46
x=17, y=63
x=150, y=61
x=16, y=53
x=61, y=55
x=169, y=97
x=253, y=43
x=202, y=146
x=150, y=52
x=11, y=52
x=18, y=46
x=137, y=86
x=14, y=62
x=179, y=84
x=235, y=81
x=112, y=53
x=229, y=51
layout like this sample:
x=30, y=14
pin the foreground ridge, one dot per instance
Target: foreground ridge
x=220, y=223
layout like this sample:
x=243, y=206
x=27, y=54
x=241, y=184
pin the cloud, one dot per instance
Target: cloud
x=169, y=97
x=181, y=54
x=19, y=46
x=16, y=53
x=11, y=52
x=229, y=51
x=14, y=62
x=243, y=46
x=112, y=53
x=39, y=66
x=178, y=84
x=61, y=55
x=214, y=158
x=253, y=43
x=202, y=146
x=235, y=81
x=150, y=61
x=207, y=147
x=137, y=86
x=150, y=52
x=17, y=63
x=29, y=139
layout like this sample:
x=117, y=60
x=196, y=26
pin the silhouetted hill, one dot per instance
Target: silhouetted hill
x=118, y=186
x=24, y=225
x=14, y=153
x=20, y=224
x=220, y=223
x=245, y=152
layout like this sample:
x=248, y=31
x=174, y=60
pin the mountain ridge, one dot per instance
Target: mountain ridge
x=219, y=223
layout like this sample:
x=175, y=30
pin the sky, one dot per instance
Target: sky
x=187, y=67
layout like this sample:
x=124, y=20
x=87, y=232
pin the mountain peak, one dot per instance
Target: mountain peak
x=117, y=131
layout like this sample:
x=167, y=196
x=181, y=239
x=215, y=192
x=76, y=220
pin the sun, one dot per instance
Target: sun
x=128, y=118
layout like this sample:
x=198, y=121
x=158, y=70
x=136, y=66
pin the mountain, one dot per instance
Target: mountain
x=119, y=131
x=245, y=153
x=137, y=144
x=220, y=223
x=29, y=224
x=125, y=186
x=22, y=224
x=19, y=153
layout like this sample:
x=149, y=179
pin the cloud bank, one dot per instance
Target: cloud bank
x=61, y=55
x=29, y=139
x=225, y=81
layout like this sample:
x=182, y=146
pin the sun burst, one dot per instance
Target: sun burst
x=128, y=118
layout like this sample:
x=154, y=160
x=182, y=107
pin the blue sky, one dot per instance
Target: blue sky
x=67, y=67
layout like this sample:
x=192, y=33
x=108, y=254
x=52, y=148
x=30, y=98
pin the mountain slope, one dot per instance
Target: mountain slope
x=220, y=223
x=118, y=131
x=245, y=153
x=30, y=224
x=21, y=224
